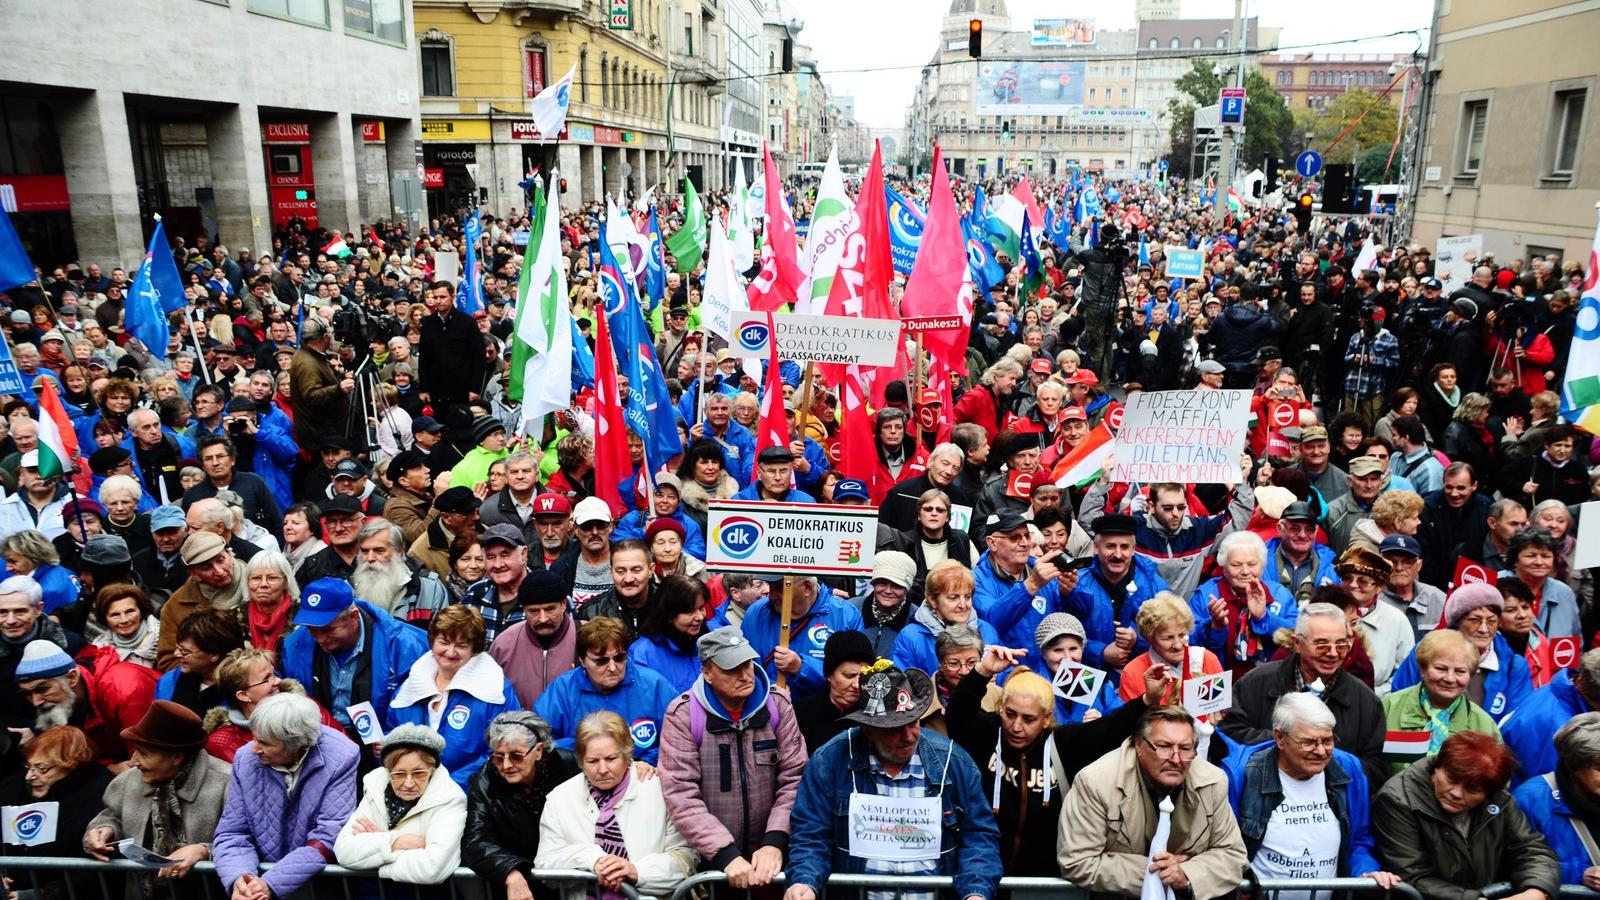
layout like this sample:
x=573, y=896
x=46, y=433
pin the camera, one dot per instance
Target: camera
x=238, y=427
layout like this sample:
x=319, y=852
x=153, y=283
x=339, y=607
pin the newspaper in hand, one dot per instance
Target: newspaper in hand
x=130, y=849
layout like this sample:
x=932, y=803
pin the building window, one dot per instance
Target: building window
x=314, y=12
x=1221, y=42
x=1566, y=127
x=1285, y=78
x=1154, y=43
x=438, y=69
x=534, y=71
x=1175, y=44
x=382, y=19
x=1474, y=127
x=1196, y=44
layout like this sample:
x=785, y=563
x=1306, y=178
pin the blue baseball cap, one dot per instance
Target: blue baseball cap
x=1400, y=543
x=850, y=489
x=323, y=601
x=163, y=517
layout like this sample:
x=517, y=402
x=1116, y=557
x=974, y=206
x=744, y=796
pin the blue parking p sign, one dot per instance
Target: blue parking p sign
x=1231, y=101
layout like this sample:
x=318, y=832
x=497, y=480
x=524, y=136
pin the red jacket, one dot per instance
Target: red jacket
x=119, y=693
x=883, y=480
x=1538, y=353
x=978, y=406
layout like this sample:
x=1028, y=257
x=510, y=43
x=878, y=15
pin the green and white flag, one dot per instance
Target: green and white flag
x=541, y=353
x=832, y=220
x=1005, y=224
x=687, y=245
x=741, y=237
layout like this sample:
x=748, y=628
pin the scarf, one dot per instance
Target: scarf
x=607, y=831
x=1453, y=399
x=1438, y=719
x=126, y=645
x=1246, y=645
x=167, y=831
x=267, y=627
x=231, y=597
x=396, y=808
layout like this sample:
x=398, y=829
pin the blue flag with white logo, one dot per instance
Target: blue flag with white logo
x=157, y=290
x=1144, y=251
x=582, y=360
x=906, y=221
x=655, y=264
x=15, y=267
x=469, y=296
x=1058, y=228
x=986, y=271
x=648, y=411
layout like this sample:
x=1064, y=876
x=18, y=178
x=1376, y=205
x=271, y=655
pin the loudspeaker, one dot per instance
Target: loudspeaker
x=1336, y=189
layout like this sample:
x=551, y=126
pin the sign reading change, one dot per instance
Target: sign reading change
x=1188, y=437
x=790, y=538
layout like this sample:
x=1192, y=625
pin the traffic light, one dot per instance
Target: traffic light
x=1302, y=212
x=1005, y=129
x=974, y=38
x=1269, y=168
x=1336, y=189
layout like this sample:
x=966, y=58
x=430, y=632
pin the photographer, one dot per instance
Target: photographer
x=264, y=447
x=219, y=460
x=1372, y=358
x=1518, y=346
x=1102, y=267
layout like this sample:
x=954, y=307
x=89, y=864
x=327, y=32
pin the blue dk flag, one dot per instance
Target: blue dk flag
x=648, y=410
x=469, y=299
x=15, y=267
x=157, y=291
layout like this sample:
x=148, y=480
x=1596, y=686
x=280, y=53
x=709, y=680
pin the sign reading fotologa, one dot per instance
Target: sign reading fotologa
x=824, y=339
x=790, y=538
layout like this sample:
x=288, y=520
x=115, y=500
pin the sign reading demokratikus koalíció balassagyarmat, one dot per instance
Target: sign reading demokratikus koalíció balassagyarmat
x=1187, y=437
x=845, y=340
x=790, y=538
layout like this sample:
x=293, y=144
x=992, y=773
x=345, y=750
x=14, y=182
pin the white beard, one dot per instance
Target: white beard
x=52, y=716
x=381, y=585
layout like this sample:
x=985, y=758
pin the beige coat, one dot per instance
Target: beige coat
x=129, y=802
x=1108, y=821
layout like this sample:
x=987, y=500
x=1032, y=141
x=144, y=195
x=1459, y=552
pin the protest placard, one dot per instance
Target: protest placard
x=1586, y=553
x=844, y=340
x=1077, y=682
x=1208, y=693
x=1187, y=437
x=1185, y=263
x=790, y=538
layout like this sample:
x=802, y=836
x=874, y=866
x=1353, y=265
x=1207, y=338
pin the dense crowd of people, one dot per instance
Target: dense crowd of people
x=318, y=594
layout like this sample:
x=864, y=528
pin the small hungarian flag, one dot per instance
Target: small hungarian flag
x=1405, y=746
x=1082, y=463
x=337, y=247
x=58, y=443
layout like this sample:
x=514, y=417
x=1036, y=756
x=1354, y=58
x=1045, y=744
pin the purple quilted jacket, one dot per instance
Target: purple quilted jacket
x=262, y=822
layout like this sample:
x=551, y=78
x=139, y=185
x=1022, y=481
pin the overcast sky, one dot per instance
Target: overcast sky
x=885, y=33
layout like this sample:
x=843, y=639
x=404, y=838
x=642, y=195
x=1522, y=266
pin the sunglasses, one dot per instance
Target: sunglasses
x=600, y=662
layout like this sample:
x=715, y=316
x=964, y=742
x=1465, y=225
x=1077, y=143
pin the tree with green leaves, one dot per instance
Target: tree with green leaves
x=1267, y=121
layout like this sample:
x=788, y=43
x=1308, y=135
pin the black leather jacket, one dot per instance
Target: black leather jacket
x=502, y=831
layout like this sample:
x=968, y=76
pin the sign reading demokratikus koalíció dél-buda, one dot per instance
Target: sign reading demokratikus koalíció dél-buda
x=790, y=538
x=1187, y=437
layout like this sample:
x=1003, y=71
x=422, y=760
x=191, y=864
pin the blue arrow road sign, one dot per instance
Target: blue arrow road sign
x=1308, y=164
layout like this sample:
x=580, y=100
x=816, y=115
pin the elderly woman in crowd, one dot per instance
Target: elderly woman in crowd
x=1237, y=613
x=1023, y=743
x=170, y=801
x=605, y=679
x=58, y=767
x=1564, y=805
x=121, y=496
x=506, y=801
x=948, y=602
x=30, y=553
x=704, y=473
x=1502, y=679
x=610, y=822
x=1439, y=706
x=130, y=623
x=958, y=649
x=932, y=540
x=408, y=825
x=244, y=678
x=302, y=532
x=456, y=689
x=467, y=566
x=1165, y=622
x=271, y=595
x=271, y=819
x=1061, y=639
x=1554, y=516
x=1448, y=828
x=1467, y=438
x=203, y=640
x=665, y=538
x=672, y=626
x=1531, y=557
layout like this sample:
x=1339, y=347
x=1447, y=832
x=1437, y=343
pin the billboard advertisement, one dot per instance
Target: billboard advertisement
x=1063, y=32
x=1028, y=88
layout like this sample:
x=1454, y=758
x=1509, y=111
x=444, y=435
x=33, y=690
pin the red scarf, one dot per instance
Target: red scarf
x=267, y=628
x=1242, y=642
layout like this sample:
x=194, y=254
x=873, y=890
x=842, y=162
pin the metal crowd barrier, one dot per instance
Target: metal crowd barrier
x=1568, y=891
x=25, y=874
x=1060, y=888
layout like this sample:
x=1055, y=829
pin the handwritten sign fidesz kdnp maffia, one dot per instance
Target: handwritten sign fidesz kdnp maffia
x=1187, y=437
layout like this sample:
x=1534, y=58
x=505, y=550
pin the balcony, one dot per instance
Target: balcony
x=695, y=69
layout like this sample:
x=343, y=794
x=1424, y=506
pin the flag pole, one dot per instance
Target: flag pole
x=787, y=619
x=805, y=401
x=200, y=353
x=917, y=372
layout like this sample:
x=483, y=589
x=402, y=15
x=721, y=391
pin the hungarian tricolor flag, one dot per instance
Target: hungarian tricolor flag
x=1081, y=464
x=1405, y=746
x=372, y=237
x=337, y=247
x=58, y=443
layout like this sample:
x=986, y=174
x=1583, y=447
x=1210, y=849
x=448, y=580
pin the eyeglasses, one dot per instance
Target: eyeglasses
x=1480, y=621
x=1309, y=744
x=1172, y=507
x=516, y=759
x=1179, y=752
x=40, y=769
x=591, y=526
x=271, y=676
x=600, y=662
x=1324, y=646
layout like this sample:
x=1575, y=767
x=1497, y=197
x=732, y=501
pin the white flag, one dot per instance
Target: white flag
x=724, y=293
x=550, y=107
x=832, y=220
x=1580, y=387
x=1152, y=888
x=544, y=320
x=741, y=239
x=31, y=825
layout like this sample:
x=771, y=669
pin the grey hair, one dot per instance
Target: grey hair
x=523, y=725
x=292, y=720
x=217, y=514
x=521, y=456
x=1302, y=625
x=1300, y=708
x=1005, y=366
x=957, y=637
x=1241, y=540
x=32, y=545
x=397, y=538
x=1501, y=507
x=1552, y=504
x=273, y=561
x=947, y=449
x=142, y=414
x=1588, y=665
x=1578, y=742
x=400, y=339
x=1054, y=387
x=314, y=329
x=24, y=585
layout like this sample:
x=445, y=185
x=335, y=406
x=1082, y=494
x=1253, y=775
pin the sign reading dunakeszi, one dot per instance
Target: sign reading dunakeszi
x=790, y=538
